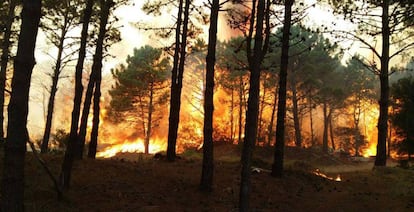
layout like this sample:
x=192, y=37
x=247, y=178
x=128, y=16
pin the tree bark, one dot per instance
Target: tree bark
x=12, y=192
x=331, y=131
x=270, y=130
x=262, y=105
x=277, y=167
x=93, y=144
x=255, y=59
x=53, y=91
x=296, y=122
x=381, y=157
x=96, y=71
x=207, y=172
x=325, y=128
x=172, y=119
x=232, y=127
x=177, y=79
x=241, y=103
x=311, y=118
x=73, y=135
x=149, y=121
x=5, y=60
x=95, y=75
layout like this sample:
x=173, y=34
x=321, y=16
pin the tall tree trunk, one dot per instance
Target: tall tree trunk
x=173, y=118
x=206, y=182
x=262, y=102
x=296, y=122
x=381, y=157
x=311, y=119
x=325, y=128
x=177, y=80
x=53, y=91
x=80, y=143
x=272, y=119
x=12, y=190
x=331, y=131
x=96, y=68
x=93, y=144
x=5, y=49
x=241, y=103
x=149, y=121
x=232, y=130
x=94, y=86
x=49, y=116
x=255, y=58
x=277, y=167
x=73, y=135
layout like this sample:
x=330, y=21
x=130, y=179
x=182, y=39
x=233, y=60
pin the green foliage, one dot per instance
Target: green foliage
x=58, y=142
x=145, y=73
x=232, y=58
x=402, y=93
x=60, y=138
x=59, y=18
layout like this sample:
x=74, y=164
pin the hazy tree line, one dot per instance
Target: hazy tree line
x=274, y=47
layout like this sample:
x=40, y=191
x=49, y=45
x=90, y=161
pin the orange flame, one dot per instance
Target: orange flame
x=371, y=131
x=370, y=151
x=136, y=146
x=318, y=172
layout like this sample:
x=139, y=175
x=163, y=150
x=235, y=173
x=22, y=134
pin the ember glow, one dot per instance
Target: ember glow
x=318, y=172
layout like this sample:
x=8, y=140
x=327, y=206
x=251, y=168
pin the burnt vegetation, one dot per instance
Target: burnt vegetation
x=228, y=105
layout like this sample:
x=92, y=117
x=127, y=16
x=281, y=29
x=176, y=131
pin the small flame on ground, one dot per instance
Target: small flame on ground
x=338, y=178
x=318, y=172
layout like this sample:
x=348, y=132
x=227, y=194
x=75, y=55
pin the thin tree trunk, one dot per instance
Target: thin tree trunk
x=206, y=182
x=12, y=190
x=296, y=122
x=311, y=119
x=73, y=135
x=149, y=121
x=232, y=130
x=325, y=128
x=381, y=157
x=272, y=119
x=331, y=131
x=241, y=94
x=49, y=116
x=53, y=91
x=93, y=144
x=5, y=60
x=177, y=84
x=96, y=68
x=277, y=167
x=96, y=77
x=255, y=59
x=262, y=105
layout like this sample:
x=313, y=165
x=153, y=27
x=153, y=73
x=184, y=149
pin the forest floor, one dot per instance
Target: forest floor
x=137, y=182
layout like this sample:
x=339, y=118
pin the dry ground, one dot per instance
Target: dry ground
x=146, y=184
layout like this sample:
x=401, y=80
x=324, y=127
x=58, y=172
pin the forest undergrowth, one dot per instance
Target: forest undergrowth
x=138, y=182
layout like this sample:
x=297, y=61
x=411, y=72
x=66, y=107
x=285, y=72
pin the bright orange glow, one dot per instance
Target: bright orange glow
x=370, y=151
x=318, y=172
x=136, y=146
x=370, y=118
x=338, y=178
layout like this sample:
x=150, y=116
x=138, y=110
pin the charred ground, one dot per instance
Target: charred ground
x=137, y=182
